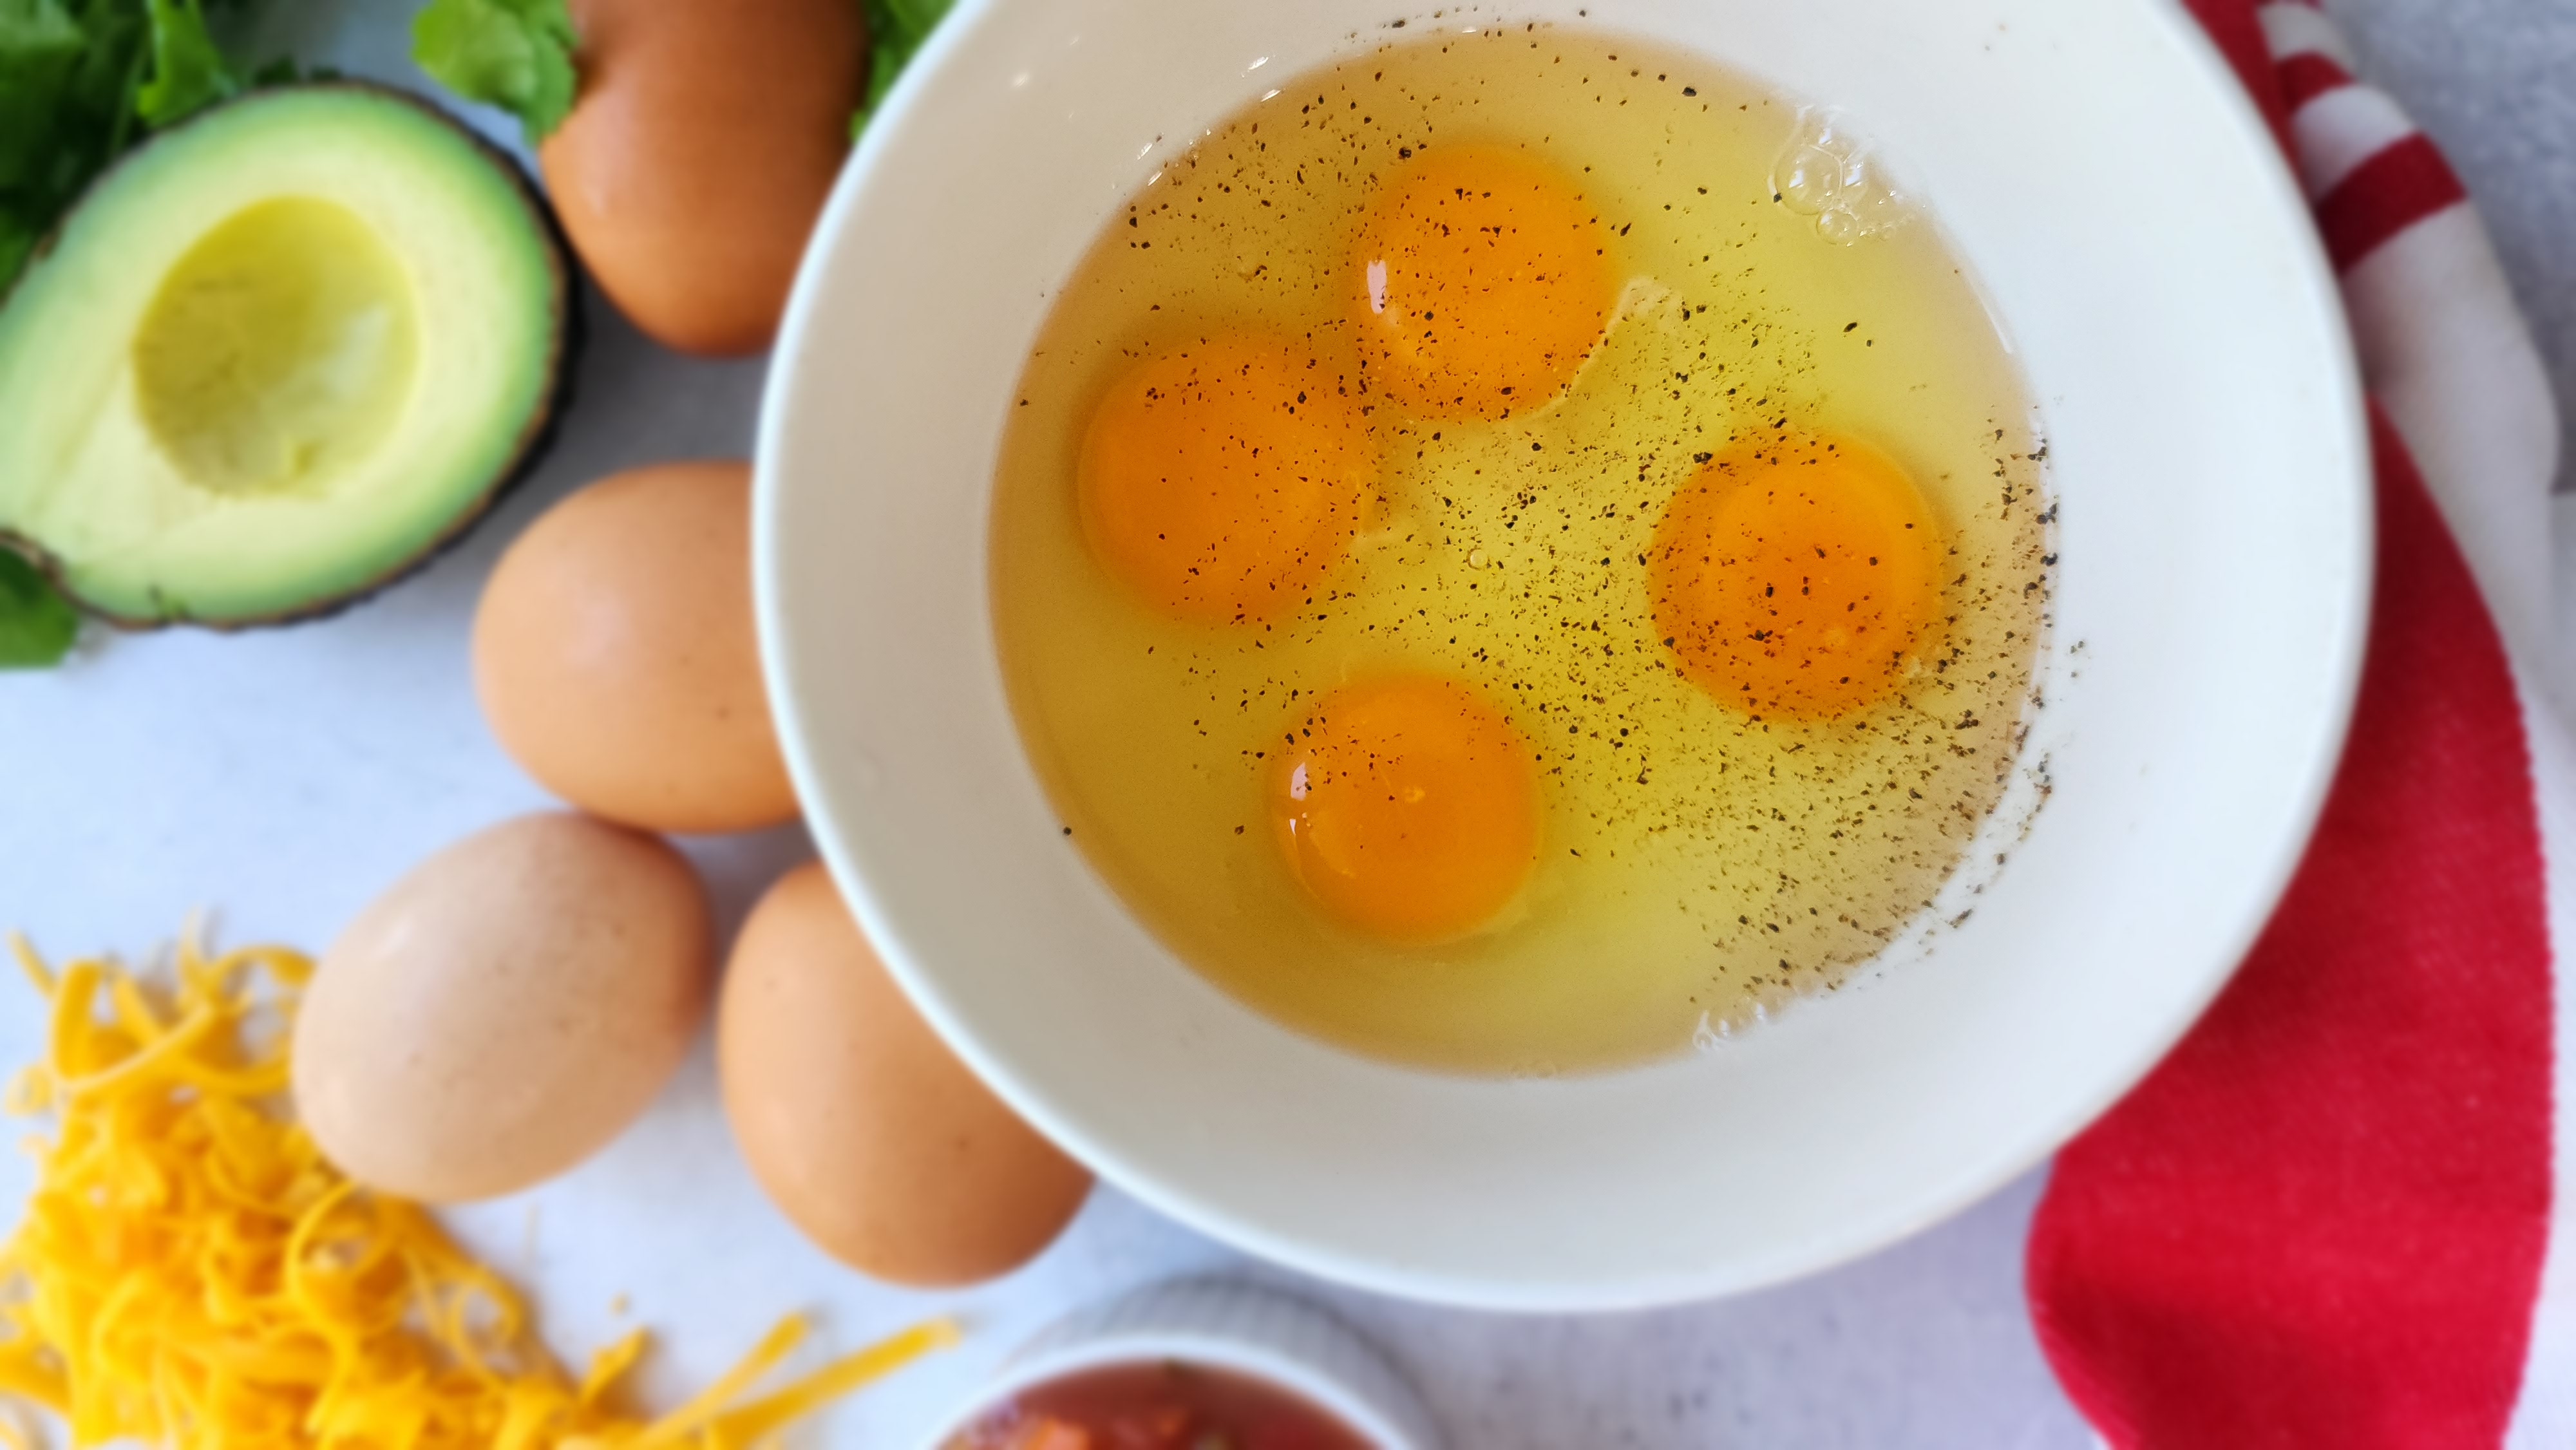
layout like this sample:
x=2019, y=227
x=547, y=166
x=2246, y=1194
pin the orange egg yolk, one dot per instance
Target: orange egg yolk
x=1219, y=479
x=1797, y=578
x=1407, y=806
x=1482, y=281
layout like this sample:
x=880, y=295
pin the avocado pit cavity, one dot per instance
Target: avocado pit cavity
x=279, y=350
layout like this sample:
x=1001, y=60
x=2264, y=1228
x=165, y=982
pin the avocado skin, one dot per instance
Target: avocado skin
x=570, y=337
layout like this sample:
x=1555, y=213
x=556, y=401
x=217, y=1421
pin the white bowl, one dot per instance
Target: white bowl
x=1219, y=1324
x=2142, y=245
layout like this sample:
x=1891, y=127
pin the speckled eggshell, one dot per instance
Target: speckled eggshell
x=867, y=1132
x=506, y=1009
x=617, y=661
x=704, y=141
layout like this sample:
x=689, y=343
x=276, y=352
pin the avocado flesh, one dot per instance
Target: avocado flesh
x=276, y=358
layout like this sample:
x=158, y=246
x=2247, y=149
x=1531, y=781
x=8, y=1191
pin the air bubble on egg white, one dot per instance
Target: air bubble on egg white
x=1707, y=1036
x=1827, y=171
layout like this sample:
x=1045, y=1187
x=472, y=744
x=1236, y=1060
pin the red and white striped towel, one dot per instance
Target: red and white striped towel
x=2339, y=1214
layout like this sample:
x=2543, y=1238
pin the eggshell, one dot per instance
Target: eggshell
x=699, y=152
x=504, y=1010
x=865, y=1129
x=616, y=658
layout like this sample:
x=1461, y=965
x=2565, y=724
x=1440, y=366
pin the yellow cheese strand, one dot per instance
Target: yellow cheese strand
x=194, y=1275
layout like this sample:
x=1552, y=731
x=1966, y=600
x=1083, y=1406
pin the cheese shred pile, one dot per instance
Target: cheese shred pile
x=193, y=1275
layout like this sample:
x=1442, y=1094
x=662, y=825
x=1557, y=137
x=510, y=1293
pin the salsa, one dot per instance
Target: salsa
x=1163, y=1405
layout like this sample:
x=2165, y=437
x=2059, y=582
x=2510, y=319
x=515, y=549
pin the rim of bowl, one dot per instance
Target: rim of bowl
x=1047, y=1358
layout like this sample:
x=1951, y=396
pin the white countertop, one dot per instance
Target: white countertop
x=280, y=779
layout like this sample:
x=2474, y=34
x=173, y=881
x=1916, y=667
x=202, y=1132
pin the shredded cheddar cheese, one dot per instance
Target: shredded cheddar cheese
x=192, y=1274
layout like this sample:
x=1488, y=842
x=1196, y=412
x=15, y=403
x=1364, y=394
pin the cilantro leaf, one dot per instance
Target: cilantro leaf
x=68, y=69
x=17, y=239
x=40, y=49
x=36, y=625
x=896, y=29
x=188, y=72
x=80, y=82
x=515, y=54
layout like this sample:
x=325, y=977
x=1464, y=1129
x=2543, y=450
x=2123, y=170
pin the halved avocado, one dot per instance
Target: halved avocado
x=277, y=357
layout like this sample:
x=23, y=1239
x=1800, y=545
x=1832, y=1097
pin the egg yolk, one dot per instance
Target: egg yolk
x=1796, y=578
x=1220, y=478
x=1482, y=281
x=1407, y=806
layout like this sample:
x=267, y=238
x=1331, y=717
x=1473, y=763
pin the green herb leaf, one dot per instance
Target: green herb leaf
x=17, y=239
x=896, y=29
x=40, y=49
x=188, y=72
x=515, y=54
x=37, y=27
x=36, y=625
x=68, y=69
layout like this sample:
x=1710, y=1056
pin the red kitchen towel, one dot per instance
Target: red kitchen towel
x=2333, y=1217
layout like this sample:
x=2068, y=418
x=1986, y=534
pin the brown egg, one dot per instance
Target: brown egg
x=616, y=658
x=698, y=155
x=865, y=1129
x=503, y=1011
